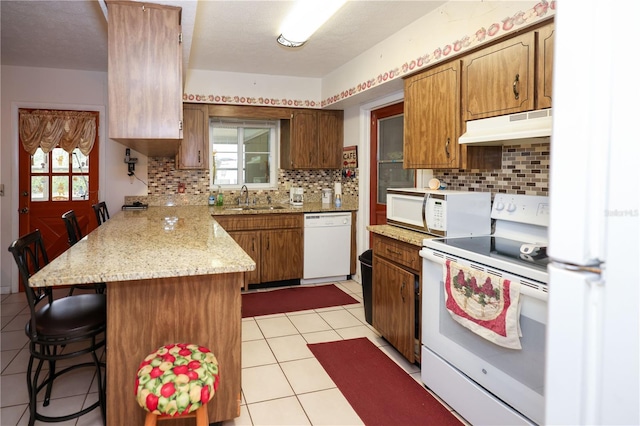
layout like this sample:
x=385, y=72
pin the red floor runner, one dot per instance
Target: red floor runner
x=379, y=390
x=293, y=299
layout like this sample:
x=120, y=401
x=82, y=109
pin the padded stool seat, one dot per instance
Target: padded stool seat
x=69, y=317
x=177, y=380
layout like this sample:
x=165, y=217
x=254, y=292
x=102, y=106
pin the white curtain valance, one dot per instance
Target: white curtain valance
x=47, y=129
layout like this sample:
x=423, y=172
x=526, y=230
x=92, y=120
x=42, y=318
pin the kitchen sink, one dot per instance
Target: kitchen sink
x=242, y=208
x=267, y=208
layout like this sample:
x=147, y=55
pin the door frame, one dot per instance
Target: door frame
x=8, y=264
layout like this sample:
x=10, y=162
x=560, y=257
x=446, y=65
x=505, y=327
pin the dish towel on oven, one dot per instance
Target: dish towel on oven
x=486, y=304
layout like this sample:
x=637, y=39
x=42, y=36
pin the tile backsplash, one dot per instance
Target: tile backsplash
x=165, y=180
x=525, y=170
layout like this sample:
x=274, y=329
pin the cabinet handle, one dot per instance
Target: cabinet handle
x=446, y=147
x=199, y=160
x=516, y=87
x=253, y=245
x=402, y=290
x=393, y=251
x=268, y=243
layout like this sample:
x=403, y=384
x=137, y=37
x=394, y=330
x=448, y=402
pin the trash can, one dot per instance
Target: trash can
x=366, y=269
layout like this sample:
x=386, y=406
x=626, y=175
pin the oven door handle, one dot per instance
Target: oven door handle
x=428, y=255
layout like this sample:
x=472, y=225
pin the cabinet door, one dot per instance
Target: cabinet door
x=393, y=305
x=193, y=148
x=304, y=139
x=544, y=79
x=250, y=243
x=281, y=257
x=499, y=80
x=330, y=139
x=145, y=71
x=431, y=120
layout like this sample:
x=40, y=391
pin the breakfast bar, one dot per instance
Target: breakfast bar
x=173, y=275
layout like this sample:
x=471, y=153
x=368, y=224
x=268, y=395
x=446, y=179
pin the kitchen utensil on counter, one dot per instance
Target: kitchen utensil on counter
x=296, y=196
x=327, y=194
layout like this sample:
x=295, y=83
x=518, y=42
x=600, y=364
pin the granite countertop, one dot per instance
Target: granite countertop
x=400, y=234
x=310, y=207
x=159, y=242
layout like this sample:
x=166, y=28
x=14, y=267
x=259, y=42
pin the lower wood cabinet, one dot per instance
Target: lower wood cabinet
x=274, y=242
x=396, y=270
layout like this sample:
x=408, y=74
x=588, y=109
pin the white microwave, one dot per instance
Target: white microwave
x=440, y=213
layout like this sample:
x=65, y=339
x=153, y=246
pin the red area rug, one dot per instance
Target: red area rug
x=293, y=299
x=379, y=390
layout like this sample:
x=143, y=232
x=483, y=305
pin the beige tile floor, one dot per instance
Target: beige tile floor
x=274, y=351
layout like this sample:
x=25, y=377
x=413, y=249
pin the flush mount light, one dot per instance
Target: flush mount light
x=305, y=18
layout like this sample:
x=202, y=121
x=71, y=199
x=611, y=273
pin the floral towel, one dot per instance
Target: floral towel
x=485, y=304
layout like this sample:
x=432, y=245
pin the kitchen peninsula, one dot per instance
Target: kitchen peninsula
x=173, y=275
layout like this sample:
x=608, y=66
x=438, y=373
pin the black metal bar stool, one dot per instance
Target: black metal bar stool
x=101, y=211
x=58, y=330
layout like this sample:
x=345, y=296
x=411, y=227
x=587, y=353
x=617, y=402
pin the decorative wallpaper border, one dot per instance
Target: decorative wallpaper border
x=466, y=42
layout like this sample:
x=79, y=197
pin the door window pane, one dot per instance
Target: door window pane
x=60, y=160
x=79, y=162
x=40, y=162
x=39, y=188
x=60, y=188
x=390, y=157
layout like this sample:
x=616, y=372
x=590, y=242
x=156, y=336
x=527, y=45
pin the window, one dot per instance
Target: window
x=58, y=176
x=244, y=153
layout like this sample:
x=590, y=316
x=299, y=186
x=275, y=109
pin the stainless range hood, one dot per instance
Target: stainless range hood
x=521, y=128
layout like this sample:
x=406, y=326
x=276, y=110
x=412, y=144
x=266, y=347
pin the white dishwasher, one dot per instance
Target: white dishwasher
x=327, y=247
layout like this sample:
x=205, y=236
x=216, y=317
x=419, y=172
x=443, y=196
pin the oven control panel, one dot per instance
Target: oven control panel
x=530, y=209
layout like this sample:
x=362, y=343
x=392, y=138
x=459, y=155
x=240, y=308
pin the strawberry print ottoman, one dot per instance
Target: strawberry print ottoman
x=177, y=379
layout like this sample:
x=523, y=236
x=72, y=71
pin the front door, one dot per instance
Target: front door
x=53, y=183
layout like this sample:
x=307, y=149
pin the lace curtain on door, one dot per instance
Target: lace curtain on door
x=47, y=129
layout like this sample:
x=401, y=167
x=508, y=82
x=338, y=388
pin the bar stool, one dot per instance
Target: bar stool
x=101, y=211
x=177, y=380
x=74, y=234
x=59, y=330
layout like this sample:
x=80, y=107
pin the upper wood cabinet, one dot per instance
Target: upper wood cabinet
x=312, y=139
x=145, y=76
x=500, y=79
x=194, y=148
x=544, y=77
x=431, y=124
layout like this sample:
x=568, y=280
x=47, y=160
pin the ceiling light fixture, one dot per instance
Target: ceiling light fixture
x=305, y=18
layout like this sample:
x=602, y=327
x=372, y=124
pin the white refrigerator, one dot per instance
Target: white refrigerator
x=592, y=374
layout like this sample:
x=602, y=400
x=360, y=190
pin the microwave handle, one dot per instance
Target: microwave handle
x=424, y=211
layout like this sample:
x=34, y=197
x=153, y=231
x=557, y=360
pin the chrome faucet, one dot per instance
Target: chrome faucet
x=244, y=190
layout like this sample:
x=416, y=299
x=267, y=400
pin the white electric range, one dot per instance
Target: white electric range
x=484, y=382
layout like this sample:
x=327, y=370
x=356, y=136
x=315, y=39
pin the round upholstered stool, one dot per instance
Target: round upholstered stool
x=177, y=381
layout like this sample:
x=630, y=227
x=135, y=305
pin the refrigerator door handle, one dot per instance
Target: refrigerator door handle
x=576, y=268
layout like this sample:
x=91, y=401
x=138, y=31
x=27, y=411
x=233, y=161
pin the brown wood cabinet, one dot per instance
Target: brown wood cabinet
x=274, y=242
x=432, y=124
x=194, y=148
x=500, y=79
x=396, y=267
x=145, y=76
x=312, y=139
x=544, y=75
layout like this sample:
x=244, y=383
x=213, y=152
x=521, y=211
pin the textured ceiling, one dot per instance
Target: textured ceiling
x=233, y=36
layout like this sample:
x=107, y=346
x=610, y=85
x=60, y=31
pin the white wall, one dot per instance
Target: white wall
x=58, y=89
